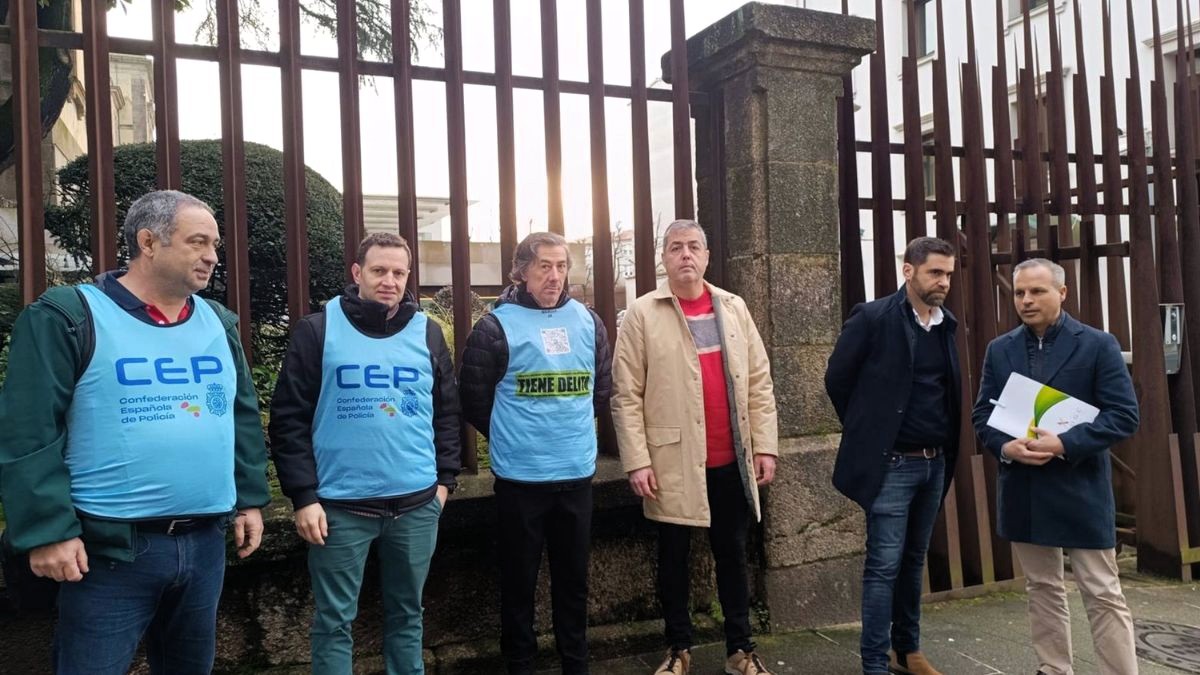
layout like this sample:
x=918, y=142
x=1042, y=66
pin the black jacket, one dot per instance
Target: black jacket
x=868, y=379
x=485, y=360
x=299, y=387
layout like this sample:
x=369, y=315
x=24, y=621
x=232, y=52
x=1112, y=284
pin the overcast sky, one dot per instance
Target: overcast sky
x=199, y=114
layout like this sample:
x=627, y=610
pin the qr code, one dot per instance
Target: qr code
x=555, y=341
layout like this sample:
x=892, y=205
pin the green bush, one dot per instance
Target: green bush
x=134, y=169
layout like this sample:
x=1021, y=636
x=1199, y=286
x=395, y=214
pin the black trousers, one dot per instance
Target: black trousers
x=558, y=517
x=727, y=538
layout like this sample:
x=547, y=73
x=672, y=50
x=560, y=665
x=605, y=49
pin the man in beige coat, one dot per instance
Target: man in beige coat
x=694, y=410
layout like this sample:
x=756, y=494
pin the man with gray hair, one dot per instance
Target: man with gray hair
x=694, y=409
x=1055, y=489
x=535, y=373
x=132, y=442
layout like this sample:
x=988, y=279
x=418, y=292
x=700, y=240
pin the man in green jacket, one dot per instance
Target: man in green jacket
x=132, y=441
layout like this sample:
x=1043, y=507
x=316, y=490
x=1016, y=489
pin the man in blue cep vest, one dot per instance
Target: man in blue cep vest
x=365, y=436
x=132, y=441
x=536, y=371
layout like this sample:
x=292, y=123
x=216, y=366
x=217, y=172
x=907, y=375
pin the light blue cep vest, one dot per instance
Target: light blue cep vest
x=543, y=427
x=151, y=423
x=373, y=428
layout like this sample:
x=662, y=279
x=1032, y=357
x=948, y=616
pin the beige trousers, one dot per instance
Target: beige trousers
x=1050, y=618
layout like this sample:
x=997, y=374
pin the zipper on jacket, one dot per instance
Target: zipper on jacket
x=1040, y=343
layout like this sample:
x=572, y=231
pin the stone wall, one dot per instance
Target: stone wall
x=772, y=75
x=267, y=604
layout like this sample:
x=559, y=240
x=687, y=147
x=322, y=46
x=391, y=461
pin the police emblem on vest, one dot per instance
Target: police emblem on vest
x=543, y=421
x=373, y=426
x=140, y=445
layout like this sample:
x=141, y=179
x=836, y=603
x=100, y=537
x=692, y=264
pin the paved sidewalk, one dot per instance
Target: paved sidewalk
x=982, y=636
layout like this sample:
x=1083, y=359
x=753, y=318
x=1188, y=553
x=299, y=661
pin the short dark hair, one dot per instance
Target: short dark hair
x=386, y=240
x=919, y=250
x=526, y=253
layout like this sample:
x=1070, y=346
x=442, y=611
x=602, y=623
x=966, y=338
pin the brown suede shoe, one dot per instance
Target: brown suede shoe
x=677, y=662
x=742, y=663
x=910, y=664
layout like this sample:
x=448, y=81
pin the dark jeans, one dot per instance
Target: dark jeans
x=898, y=529
x=727, y=538
x=530, y=516
x=168, y=593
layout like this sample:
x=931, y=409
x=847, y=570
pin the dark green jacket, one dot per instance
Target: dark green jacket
x=51, y=343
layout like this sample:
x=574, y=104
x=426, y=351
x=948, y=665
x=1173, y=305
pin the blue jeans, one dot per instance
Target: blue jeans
x=899, y=525
x=406, y=546
x=168, y=593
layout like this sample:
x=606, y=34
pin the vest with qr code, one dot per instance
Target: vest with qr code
x=373, y=426
x=543, y=422
x=151, y=424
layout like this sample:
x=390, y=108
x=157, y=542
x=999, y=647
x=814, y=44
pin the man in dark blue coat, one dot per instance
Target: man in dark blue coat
x=893, y=379
x=1054, y=491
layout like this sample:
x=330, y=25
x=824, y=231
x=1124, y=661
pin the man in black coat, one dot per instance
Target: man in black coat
x=1054, y=492
x=365, y=437
x=893, y=379
x=535, y=373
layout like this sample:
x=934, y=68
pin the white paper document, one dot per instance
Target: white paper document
x=1026, y=403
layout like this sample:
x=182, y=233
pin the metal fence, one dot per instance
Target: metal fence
x=26, y=38
x=1039, y=196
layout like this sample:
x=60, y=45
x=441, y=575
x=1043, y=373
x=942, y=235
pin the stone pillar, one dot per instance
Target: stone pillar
x=773, y=76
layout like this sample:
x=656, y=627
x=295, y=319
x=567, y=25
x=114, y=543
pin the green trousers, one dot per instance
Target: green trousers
x=405, y=547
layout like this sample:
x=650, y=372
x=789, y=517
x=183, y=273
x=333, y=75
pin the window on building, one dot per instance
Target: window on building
x=1016, y=6
x=925, y=25
x=928, y=162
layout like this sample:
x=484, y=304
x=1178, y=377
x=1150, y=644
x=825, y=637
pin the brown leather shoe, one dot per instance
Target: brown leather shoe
x=913, y=663
x=743, y=663
x=677, y=662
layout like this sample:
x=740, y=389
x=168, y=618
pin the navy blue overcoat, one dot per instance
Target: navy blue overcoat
x=1066, y=502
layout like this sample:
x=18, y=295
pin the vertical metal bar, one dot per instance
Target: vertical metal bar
x=1118, y=312
x=1034, y=196
x=237, y=244
x=99, y=137
x=505, y=143
x=352, y=208
x=849, y=216
x=1158, y=548
x=1181, y=386
x=166, y=96
x=881, y=166
x=602, y=253
x=27, y=123
x=644, y=236
x=1090, y=299
x=1005, y=240
x=553, y=124
x=294, y=206
x=602, y=262
x=915, y=222
x=1060, y=172
x=681, y=117
x=460, y=244
x=964, y=561
x=983, y=522
x=981, y=319
x=406, y=174
x=1004, y=181
x=1189, y=199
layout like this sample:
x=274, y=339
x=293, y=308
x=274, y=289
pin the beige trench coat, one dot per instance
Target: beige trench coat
x=658, y=401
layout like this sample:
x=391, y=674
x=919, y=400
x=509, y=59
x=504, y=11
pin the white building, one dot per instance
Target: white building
x=955, y=21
